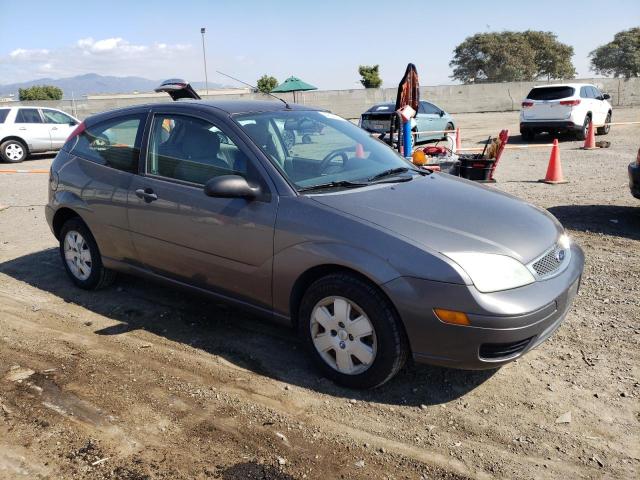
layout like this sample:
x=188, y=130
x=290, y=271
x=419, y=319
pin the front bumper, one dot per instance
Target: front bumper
x=504, y=325
x=634, y=179
x=545, y=126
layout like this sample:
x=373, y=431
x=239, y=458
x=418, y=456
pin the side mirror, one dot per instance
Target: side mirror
x=73, y=123
x=441, y=113
x=230, y=186
x=606, y=96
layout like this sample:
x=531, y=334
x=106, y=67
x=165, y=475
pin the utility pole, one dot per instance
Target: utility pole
x=204, y=60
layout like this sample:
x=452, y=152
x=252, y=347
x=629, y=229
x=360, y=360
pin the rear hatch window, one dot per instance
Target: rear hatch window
x=377, y=118
x=550, y=93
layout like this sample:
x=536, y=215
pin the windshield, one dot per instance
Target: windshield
x=314, y=148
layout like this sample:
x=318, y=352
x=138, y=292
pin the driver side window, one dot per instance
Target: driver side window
x=429, y=108
x=53, y=116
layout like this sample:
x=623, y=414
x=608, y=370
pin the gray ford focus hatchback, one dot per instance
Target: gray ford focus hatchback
x=298, y=214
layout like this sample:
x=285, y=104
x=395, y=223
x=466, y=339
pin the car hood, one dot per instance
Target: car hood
x=447, y=214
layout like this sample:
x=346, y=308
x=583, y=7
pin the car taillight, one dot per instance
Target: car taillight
x=638, y=158
x=77, y=131
x=570, y=103
x=527, y=104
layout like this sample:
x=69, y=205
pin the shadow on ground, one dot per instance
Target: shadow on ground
x=618, y=221
x=41, y=156
x=516, y=139
x=246, y=340
x=252, y=470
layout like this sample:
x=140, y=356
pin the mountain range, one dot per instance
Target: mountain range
x=92, y=83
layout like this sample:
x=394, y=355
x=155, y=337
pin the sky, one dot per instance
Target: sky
x=321, y=42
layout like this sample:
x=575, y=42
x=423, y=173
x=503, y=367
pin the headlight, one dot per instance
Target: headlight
x=564, y=241
x=490, y=272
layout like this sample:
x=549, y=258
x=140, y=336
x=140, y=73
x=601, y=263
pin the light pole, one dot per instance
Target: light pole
x=204, y=60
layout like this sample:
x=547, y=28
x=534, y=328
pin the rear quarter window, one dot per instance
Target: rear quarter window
x=550, y=93
x=3, y=114
x=114, y=143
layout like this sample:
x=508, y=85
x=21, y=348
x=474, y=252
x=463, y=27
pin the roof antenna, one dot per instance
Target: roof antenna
x=255, y=88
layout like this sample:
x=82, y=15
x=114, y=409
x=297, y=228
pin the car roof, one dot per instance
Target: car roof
x=573, y=85
x=392, y=105
x=229, y=107
x=250, y=106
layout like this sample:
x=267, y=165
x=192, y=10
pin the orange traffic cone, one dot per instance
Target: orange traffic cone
x=590, y=140
x=554, y=170
x=458, y=140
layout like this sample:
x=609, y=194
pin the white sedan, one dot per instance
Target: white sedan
x=26, y=130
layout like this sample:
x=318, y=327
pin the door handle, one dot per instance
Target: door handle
x=22, y=128
x=54, y=128
x=147, y=195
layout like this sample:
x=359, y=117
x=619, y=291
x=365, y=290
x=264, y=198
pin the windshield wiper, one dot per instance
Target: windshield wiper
x=342, y=183
x=389, y=173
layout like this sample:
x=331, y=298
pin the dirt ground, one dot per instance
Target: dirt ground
x=142, y=382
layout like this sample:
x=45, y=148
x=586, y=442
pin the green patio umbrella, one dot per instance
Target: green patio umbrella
x=293, y=84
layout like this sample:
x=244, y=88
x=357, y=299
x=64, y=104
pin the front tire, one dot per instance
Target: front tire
x=448, y=127
x=81, y=257
x=605, y=129
x=352, y=332
x=13, y=151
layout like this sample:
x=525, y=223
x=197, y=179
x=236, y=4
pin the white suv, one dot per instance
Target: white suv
x=565, y=107
x=25, y=130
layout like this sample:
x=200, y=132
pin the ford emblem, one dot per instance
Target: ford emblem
x=560, y=255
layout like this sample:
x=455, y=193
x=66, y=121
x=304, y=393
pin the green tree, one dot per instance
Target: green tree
x=370, y=76
x=40, y=92
x=511, y=56
x=620, y=57
x=267, y=83
x=552, y=58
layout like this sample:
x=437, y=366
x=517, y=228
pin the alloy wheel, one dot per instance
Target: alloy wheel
x=77, y=255
x=343, y=335
x=14, y=151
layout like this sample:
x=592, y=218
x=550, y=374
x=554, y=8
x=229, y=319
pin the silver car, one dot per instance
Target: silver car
x=26, y=130
x=370, y=258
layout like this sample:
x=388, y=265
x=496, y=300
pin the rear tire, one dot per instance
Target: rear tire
x=582, y=133
x=351, y=331
x=81, y=257
x=13, y=151
x=528, y=135
x=605, y=129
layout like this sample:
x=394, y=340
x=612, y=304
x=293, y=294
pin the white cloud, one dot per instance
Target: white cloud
x=107, y=56
x=85, y=42
x=25, y=54
x=115, y=44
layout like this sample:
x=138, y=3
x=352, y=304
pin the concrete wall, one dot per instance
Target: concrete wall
x=488, y=97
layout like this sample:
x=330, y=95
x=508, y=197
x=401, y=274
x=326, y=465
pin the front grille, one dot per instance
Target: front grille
x=494, y=351
x=550, y=262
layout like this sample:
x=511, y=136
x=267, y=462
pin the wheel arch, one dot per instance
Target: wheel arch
x=306, y=279
x=16, y=138
x=61, y=216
